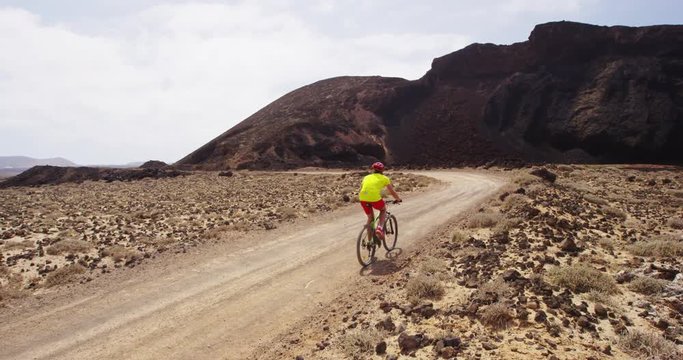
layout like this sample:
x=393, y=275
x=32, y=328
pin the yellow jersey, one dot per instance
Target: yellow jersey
x=371, y=188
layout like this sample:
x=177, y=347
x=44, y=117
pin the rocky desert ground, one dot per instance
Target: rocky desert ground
x=574, y=262
x=61, y=235
x=565, y=262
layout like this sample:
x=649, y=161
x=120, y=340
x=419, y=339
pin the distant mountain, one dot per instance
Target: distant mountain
x=25, y=162
x=571, y=93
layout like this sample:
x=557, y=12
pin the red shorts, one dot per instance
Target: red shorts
x=368, y=206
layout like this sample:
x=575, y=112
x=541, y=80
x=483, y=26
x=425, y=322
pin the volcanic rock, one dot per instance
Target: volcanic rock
x=573, y=92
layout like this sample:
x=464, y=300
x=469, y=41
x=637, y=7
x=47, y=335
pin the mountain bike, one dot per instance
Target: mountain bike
x=366, y=247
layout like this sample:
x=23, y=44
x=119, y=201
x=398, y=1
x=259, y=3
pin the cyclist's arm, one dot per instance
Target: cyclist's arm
x=393, y=193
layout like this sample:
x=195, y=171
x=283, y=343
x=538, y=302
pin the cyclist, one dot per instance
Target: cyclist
x=371, y=198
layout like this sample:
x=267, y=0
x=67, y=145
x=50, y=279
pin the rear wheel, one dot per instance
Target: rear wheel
x=390, y=233
x=365, y=248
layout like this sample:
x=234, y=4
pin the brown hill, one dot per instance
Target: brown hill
x=572, y=92
x=43, y=175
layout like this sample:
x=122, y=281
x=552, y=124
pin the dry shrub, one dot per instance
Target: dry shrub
x=497, y=316
x=606, y=244
x=675, y=223
x=582, y=278
x=484, y=220
x=64, y=275
x=165, y=241
x=69, y=246
x=459, y=237
x=604, y=299
x=287, y=212
x=358, y=344
x=507, y=224
x=525, y=179
x=677, y=193
x=594, y=199
x=424, y=287
x=648, y=345
x=513, y=202
x=657, y=248
x=119, y=253
x=433, y=266
x=499, y=287
x=614, y=213
x=18, y=245
x=13, y=288
x=647, y=285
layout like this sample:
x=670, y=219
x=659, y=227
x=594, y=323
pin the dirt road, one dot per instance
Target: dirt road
x=227, y=302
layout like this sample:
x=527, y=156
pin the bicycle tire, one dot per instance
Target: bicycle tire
x=390, y=233
x=365, y=248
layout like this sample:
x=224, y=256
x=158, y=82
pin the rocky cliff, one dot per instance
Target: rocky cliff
x=571, y=93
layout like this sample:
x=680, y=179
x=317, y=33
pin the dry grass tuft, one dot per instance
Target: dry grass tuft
x=69, y=246
x=459, y=237
x=484, y=220
x=606, y=243
x=507, y=224
x=675, y=223
x=614, y=213
x=525, y=179
x=287, y=212
x=358, y=344
x=433, y=266
x=657, y=248
x=582, y=278
x=513, y=202
x=649, y=345
x=119, y=253
x=424, y=287
x=13, y=288
x=594, y=199
x=498, y=316
x=64, y=275
x=647, y=285
x=18, y=245
x=499, y=287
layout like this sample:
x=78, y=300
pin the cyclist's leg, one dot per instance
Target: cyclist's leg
x=380, y=221
x=367, y=208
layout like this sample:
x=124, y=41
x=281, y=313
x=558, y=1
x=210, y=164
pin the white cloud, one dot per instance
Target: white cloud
x=163, y=81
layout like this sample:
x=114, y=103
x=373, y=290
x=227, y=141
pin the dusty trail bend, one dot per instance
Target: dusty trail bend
x=225, y=304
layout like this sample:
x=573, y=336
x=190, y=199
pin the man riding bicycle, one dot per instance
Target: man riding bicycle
x=370, y=197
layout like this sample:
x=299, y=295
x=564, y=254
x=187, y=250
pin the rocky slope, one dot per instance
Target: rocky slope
x=572, y=92
x=583, y=265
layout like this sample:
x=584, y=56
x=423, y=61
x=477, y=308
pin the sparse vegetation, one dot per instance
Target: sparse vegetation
x=513, y=202
x=614, y=212
x=582, y=278
x=648, y=345
x=657, y=248
x=120, y=253
x=18, y=245
x=459, y=237
x=433, y=266
x=424, y=287
x=68, y=246
x=606, y=243
x=358, y=344
x=483, y=220
x=647, y=285
x=594, y=199
x=497, y=316
x=499, y=288
x=675, y=223
x=64, y=275
x=506, y=224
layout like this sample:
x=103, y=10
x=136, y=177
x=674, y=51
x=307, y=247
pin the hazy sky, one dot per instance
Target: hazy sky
x=115, y=81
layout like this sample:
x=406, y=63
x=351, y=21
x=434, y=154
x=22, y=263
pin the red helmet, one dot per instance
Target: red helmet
x=378, y=166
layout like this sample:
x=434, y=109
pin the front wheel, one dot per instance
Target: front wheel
x=365, y=248
x=390, y=233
